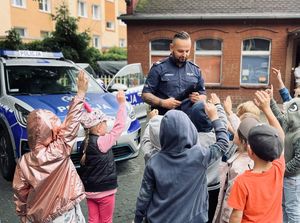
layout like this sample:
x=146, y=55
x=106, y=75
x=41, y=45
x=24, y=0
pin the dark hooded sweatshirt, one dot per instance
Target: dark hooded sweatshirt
x=174, y=187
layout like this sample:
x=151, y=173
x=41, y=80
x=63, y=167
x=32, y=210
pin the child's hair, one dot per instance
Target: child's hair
x=85, y=141
x=247, y=107
x=247, y=121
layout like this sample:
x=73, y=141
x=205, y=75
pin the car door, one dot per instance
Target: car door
x=131, y=79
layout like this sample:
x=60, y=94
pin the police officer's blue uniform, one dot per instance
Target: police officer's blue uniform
x=166, y=80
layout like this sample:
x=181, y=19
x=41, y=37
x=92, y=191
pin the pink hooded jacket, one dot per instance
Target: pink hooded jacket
x=46, y=183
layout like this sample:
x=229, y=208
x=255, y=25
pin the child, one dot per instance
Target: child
x=207, y=137
x=150, y=141
x=174, y=187
x=46, y=185
x=98, y=169
x=235, y=166
x=256, y=195
x=289, y=121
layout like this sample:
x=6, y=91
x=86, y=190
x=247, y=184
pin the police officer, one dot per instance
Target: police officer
x=171, y=76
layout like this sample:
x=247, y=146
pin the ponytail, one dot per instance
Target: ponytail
x=86, y=142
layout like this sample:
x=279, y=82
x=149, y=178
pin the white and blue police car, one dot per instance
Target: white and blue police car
x=44, y=80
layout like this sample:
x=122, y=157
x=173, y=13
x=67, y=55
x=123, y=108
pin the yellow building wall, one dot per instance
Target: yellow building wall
x=4, y=17
x=34, y=20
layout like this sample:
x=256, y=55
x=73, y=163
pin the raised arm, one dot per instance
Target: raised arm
x=262, y=100
x=106, y=142
x=71, y=123
x=222, y=142
x=284, y=92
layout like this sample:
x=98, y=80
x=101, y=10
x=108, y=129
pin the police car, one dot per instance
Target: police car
x=31, y=80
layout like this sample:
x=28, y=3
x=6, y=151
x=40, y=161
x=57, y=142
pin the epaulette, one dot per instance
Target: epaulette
x=191, y=62
x=160, y=61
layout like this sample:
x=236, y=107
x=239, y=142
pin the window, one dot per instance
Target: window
x=19, y=3
x=122, y=43
x=45, y=34
x=96, y=12
x=209, y=57
x=110, y=25
x=21, y=31
x=255, y=62
x=159, y=49
x=82, y=9
x=44, y=5
x=96, y=41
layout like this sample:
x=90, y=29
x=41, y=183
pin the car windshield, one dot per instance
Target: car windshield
x=45, y=80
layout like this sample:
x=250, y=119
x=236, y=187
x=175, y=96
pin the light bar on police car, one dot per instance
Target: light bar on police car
x=31, y=54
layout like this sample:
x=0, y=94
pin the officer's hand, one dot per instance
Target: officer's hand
x=170, y=103
x=195, y=96
x=121, y=97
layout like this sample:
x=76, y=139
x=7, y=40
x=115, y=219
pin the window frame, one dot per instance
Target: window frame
x=45, y=2
x=99, y=12
x=79, y=8
x=44, y=34
x=110, y=28
x=96, y=37
x=210, y=53
x=122, y=40
x=160, y=53
x=21, y=28
x=14, y=3
x=253, y=54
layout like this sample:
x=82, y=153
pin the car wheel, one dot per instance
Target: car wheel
x=7, y=160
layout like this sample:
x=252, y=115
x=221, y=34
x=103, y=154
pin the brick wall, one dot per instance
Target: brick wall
x=232, y=33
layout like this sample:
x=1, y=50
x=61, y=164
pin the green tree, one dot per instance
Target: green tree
x=66, y=35
x=13, y=41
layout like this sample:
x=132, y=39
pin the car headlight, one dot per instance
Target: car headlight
x=130, y=111
x=21, y=115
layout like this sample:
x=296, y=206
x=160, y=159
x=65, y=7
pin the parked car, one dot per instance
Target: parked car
x=31, y=80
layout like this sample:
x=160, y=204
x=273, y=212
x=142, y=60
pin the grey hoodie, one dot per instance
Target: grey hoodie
x=174, y=187
x=150, y=144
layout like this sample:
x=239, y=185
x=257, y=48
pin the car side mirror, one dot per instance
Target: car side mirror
x=117, y=87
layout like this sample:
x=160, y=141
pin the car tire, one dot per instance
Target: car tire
x=7, y=159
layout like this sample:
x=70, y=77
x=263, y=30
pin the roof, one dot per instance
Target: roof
x=214, y=9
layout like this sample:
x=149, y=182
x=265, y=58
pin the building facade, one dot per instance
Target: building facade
x=32, y=19
x=235, y=44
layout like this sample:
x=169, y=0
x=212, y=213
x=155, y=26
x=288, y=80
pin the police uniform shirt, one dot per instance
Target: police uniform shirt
x=166, y=79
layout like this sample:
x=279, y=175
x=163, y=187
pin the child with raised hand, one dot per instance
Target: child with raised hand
x=150, y=144
x=174, y=187
x=289, y=120
x=46, y=185
x=256, y=195
x=98, y=168
x=207, y=137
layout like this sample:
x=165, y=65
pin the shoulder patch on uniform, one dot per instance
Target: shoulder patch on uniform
x=160, y=61
x=191, y=62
